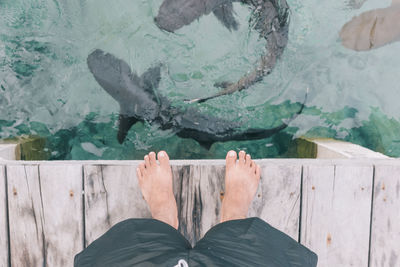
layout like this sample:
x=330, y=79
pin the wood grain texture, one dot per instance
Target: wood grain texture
x=45, y=214
x=385, y=232
x=112, y=194
x=336, y=212
x=3, y=220
x=278, y=198
x=198, y=191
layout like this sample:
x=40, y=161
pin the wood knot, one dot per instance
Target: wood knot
x=71, y=193
x=329, y=239
x=313, y=187
x=384, y=199
x=383, y=186
x=221, y=195
x=14, y=191
x=362, y=188
x=259, y=195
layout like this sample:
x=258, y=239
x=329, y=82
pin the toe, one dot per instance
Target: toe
x=139, y=174
x=142, y=168
x=253, y=166
x=152, y=157
x=258, y=172
x=147, y=161
x=163, y=159
x=248, y=160
x=231, y=158
x=242, y=156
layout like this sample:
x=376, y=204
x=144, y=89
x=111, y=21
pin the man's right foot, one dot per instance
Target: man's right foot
x=241, y=182
x=155, y=181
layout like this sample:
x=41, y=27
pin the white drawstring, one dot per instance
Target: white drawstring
x=182, y=263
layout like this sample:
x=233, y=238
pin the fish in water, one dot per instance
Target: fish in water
x=139, y=101
x=373, y=29
x=270, y=19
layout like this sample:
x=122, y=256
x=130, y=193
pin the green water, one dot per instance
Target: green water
x=47, y=90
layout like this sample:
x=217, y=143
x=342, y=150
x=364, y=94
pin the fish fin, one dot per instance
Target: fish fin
x=125, y=123
x=150, y=79
x=113, y=74
x=206, y=144
x=223, y=85
x=224, y=14
x=117, y=78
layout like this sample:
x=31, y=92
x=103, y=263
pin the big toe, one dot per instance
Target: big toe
x=163, y=159
x=231, y=158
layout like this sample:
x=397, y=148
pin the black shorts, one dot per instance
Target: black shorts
x=149, y=242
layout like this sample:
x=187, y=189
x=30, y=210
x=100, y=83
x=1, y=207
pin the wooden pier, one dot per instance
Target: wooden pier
x=347, y=211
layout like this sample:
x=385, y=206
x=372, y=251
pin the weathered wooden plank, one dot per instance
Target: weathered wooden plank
x=198, y=191
x=336, y=212
x=26, y=216
x=385, y=232
x=209, y=192
x=3, y=220
x=278, y=198
x=112, y=194
x=45, y=214
x=184, y=201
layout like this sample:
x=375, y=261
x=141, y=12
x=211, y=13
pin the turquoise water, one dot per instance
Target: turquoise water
x=47, y=90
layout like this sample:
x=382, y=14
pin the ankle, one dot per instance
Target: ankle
x=167, y=217
x=231, y=217
x=233, y=212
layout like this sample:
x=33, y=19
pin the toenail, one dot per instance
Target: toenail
x=231, y=153
x=161, y=154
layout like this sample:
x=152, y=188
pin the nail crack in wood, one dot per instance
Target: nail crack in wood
x=179, y=199
x=292, y=210
x=43, y=222
x=196, y=213
x=108, y=219
x=311, y=212
x=32, y=204
x=83, y=208
x=334, y=184
x=7, y=216
x=371, y=214
x=301, y=202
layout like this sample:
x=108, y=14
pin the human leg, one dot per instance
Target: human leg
x=241, y=181
x=155, y=181
x=143, y=242
x=238, y=241
x=136, y=242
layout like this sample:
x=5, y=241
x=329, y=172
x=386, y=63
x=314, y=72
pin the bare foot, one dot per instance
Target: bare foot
x=155, y=181
x=241, y=182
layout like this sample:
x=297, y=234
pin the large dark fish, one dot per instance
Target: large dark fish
x=270, y=19
x=139, y=101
